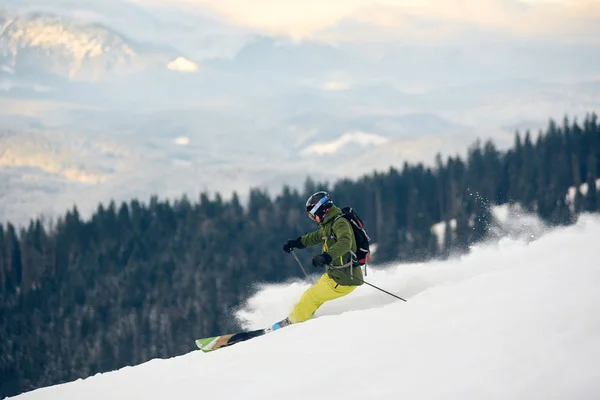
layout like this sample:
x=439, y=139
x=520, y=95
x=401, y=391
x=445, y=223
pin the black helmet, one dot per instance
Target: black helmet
x=318, y=205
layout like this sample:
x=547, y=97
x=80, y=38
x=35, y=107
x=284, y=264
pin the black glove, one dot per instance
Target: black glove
x=293, y=244
x=321, y=260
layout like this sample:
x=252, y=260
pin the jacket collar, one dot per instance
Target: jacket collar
x=333, y=212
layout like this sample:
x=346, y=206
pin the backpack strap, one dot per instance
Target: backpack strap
x=353, y=256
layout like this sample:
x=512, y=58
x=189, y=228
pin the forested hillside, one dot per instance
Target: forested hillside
x=141, y=280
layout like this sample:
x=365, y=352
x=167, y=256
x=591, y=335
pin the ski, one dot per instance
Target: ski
x=217, y=342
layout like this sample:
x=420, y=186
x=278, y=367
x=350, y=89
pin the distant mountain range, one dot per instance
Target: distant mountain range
x=112, y=99
x=49, y=49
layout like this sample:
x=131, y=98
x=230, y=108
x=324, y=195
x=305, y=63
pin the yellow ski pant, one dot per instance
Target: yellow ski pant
x=324, y=290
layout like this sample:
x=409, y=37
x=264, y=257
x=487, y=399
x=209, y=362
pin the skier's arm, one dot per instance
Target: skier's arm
x=313, y=238
x=343, y=233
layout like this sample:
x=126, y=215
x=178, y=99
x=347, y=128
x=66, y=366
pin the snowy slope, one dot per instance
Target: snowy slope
x=511, y=320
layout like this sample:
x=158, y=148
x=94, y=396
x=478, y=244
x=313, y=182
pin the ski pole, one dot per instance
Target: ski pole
x=352, y=277
x=300, y=264
x=367, y=283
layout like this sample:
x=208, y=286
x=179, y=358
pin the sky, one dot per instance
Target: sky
x=393, y=81
x=422, y=20
x=514, y=319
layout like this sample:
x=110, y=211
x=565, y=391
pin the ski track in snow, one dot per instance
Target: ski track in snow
x=514, y=319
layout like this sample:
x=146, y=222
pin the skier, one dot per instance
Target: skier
x=338, y=258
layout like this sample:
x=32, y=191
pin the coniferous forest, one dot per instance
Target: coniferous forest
x=142, y=280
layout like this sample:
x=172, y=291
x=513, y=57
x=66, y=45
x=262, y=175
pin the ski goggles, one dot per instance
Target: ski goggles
x=313, y=212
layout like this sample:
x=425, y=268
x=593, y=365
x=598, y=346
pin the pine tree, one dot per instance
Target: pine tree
x=135, y=282
x=591, y=197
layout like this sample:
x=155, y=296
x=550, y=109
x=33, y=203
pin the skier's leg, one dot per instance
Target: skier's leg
x=324, y=290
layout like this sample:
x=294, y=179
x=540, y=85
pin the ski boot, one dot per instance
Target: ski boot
x=281, y=324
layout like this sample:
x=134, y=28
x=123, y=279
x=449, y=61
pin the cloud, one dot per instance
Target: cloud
x=318, y=19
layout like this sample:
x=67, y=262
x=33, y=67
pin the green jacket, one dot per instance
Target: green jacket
x=337, y=238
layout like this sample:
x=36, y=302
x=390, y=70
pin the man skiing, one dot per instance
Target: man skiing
x=338, y=257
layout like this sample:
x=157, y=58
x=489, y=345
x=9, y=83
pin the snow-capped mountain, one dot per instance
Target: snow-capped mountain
x=75, y=74
x=197, y=35
x=49, y=48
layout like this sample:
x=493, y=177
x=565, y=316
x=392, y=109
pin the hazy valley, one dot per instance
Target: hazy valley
x=93, y=108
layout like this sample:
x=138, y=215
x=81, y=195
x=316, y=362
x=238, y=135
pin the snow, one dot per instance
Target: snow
x=511, y=219
x=508, y=219
x=332, y=147
x=182, y=140
x=513, y=319
x=63, y=41
x=439, y=230
x=183, y=64
x=583, y=189
x=335, y=85
x=502, y=213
